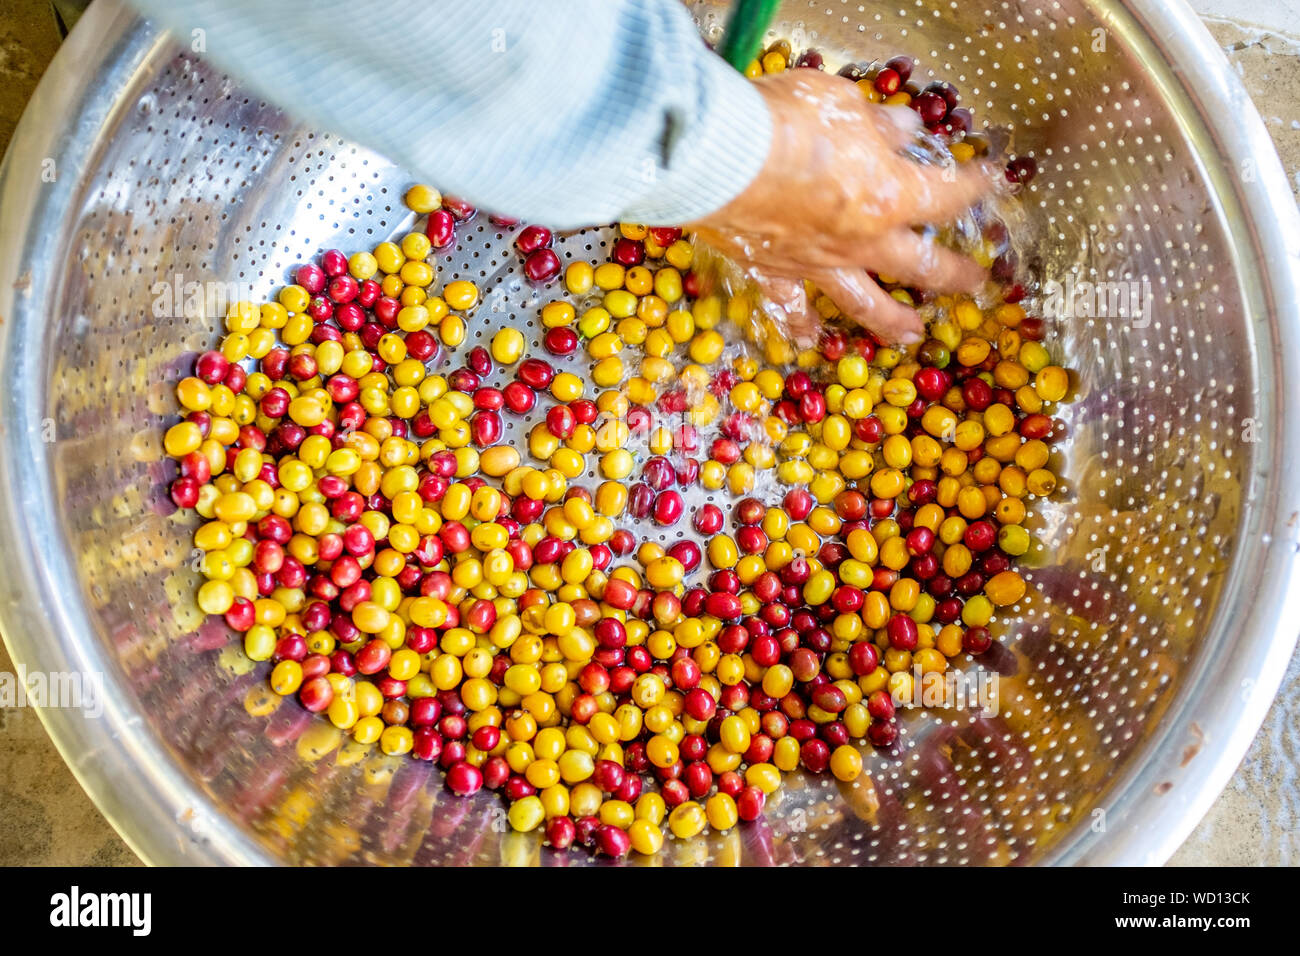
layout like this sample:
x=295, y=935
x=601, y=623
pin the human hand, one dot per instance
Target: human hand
x=837, y=199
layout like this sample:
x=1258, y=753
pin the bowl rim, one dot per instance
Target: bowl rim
x=133, y=778
x=1179, y=769
x=1189, y=760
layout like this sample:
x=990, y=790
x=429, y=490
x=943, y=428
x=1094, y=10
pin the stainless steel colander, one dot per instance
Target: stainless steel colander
x=1166, y=588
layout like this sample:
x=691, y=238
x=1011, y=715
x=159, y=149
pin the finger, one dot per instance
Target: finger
x=920, y=261
x=939, y=194
x=901, y=125
x=861, y=299
x=786, y=302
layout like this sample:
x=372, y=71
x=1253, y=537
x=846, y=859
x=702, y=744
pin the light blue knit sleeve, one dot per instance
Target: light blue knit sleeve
x=562, y=112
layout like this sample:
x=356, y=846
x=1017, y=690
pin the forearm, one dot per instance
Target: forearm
x=568, y=113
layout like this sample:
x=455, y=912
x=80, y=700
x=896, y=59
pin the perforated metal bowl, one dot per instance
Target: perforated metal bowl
x=1165, y=589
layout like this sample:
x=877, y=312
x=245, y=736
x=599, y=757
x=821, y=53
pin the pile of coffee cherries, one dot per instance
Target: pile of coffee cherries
x=430, y=586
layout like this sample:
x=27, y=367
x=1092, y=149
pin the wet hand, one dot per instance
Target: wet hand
x=837, y=200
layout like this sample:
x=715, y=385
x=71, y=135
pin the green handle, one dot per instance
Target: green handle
x=743, y=36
